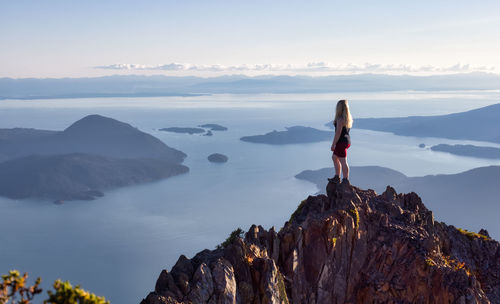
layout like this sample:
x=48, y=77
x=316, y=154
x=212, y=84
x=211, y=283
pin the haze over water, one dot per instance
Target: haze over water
x=116, y=245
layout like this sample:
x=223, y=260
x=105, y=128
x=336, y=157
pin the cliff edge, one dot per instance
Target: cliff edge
x=350, y=246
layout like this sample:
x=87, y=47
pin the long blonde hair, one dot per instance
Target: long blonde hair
x=343, y=112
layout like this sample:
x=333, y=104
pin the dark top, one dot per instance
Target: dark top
x=344, y=135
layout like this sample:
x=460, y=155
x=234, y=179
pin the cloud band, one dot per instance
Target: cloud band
x=307, y=68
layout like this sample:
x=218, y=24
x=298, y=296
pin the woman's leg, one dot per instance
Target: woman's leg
x=336, y=164
x=344, y=165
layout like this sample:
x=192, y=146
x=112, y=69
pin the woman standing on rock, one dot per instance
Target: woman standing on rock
x=341, y=142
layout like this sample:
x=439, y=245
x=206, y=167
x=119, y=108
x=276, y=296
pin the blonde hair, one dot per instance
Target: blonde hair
x=343, y=112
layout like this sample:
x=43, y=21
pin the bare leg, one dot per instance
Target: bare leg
x=344, y=165
x=337, y=164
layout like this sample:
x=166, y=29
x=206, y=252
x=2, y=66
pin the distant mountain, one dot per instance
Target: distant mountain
x=93, y=134
x=136, y=86
x=469, y=150
x=292, y=135
x=471, y=197
x=481, y=124
x=78, y=176
x=95, y=153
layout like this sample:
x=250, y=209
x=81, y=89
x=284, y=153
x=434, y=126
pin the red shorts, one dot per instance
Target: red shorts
x=341, y=149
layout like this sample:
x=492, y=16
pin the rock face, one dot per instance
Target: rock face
x=352, y=246
x=456, y=198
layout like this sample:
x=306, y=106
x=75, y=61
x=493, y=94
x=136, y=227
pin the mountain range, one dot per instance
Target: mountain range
x=137, y=86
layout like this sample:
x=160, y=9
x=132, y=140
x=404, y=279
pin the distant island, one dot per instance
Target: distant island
x=461, y=197
x=213, y=127
x=469, y=150
x=78, y=176
x=217, y=158
x=292, y=135
x=94, y=154
x=479, y=124
x=184, y=130
x=206, y=129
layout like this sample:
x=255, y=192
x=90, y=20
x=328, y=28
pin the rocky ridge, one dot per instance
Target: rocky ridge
x=349, y=246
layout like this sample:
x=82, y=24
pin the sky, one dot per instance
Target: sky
x=209, y=38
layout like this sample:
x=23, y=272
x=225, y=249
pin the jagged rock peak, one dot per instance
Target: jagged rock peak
x=351, y=246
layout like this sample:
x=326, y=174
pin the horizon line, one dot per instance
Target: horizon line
x=262, y=75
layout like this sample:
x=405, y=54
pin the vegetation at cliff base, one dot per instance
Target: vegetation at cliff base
x=430, y=262
x=237, y=233
x=14, y=289
x=471, y=235
x=355, y=214
x=282, y=289
x=298, y=211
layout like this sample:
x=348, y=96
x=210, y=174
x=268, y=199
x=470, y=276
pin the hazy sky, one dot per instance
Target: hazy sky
x=43, y=38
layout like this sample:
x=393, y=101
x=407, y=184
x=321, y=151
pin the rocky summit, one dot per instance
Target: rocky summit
x=349, y=246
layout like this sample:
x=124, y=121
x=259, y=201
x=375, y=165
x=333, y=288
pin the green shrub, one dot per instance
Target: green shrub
x=237, y=233
x=14, y=290
x=298, y=211
x=67, y=294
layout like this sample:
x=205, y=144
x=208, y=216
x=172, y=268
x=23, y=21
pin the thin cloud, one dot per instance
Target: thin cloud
x=307, y=68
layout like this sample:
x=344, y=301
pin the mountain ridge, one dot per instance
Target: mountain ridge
x=460, y=197
x=479, y=124
x=349, y=246
x=159, y=85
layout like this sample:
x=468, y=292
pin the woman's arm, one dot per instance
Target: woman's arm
x=338, y=131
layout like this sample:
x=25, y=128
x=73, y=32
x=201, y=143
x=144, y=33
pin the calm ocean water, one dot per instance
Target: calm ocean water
x=117, y=245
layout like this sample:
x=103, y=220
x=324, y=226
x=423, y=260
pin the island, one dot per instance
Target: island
x=189, y=131
x=213, y=127
x=217, y=158
x=479, y=124
x=78, y=176
x=92, y=155
x=292, y=135
x=469, y=150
